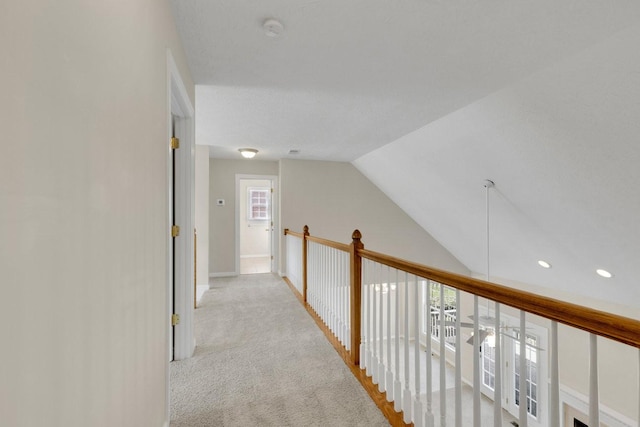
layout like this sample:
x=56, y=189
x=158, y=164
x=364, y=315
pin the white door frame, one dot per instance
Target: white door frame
x=274, y=215
x=179, y=104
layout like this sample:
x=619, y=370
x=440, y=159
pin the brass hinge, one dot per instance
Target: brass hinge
x=272, y=190
x=175, y=143
x=175, y=231
x=175, y=319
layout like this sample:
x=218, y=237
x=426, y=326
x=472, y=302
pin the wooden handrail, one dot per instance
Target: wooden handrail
x=608, y=325
x=339, y=246
x=293, y=233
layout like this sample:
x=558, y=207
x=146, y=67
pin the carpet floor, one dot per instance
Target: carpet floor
x=261, y=360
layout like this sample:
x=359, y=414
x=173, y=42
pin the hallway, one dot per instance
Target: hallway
x=261, y=360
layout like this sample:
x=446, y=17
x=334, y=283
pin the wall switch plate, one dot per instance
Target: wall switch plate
x=220, y=202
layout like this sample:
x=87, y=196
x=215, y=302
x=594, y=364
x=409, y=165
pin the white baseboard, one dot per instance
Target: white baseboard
x=255, y=256
x=225, y=274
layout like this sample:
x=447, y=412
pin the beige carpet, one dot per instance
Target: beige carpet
x=262, y=361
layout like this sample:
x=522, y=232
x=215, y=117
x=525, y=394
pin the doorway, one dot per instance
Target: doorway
x=255, y=224
x=179, y=231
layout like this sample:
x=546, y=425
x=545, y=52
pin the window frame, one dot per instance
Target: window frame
x=251, y=204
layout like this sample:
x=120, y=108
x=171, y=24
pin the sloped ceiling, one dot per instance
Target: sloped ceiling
x=428, y=99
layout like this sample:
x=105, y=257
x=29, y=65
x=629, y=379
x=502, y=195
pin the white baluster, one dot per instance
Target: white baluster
x=497, y=393
x=594, y=404
x=429, y=418
x=443, y=366
x=332, y=291
x=523, y=418
x=323, y=284
x=336, y=295
x=458, y=396
x=554, y=395
x=406, y=397
x=374, y=326
x=417, y=404
x=341, y=301
x=397, y=385
x=389, y=379
x=346, y=280
x=344, y=303
x=476, y=364
x=381, y=384
x=367, y=323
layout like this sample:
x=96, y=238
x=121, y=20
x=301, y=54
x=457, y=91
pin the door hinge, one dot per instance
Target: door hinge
x=175, y=143
x=175, y=231
x=272, y=257
x=175, y=319
x=272, y=190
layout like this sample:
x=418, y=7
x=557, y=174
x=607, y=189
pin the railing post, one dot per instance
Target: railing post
x=305, y=232
x=356, y=295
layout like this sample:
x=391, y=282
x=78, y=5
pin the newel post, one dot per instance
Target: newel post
x=356, y=295
x=305, y=232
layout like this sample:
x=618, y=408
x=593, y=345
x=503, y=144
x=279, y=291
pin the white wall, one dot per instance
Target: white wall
x=334, y=199
x=83, y=212
x=222, y=219
x=202, y=214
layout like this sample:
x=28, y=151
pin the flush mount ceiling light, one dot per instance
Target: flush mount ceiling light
x=248, y=153
x=544, y=264
x=604, y=273
x=273, y=27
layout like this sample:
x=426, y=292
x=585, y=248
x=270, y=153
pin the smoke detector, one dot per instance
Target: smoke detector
x=273, y=27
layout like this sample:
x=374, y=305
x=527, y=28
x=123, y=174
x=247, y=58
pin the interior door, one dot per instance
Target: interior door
x=255, y=223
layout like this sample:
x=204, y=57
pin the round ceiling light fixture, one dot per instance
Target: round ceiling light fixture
x=273, y=27
x=248, y=153
x=604, y=273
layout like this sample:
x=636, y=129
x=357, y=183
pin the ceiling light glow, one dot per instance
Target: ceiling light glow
x=544, y=264
x=248, y=153
x=604, y=273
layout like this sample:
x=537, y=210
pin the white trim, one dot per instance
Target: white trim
x=224, y=274
x=254, y=256
x=185, y=208
x=579, y=401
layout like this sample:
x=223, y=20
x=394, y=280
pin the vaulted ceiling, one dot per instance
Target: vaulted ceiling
x=430, y=98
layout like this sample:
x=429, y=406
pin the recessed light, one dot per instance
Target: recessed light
x=544, y=264
x=604, y=273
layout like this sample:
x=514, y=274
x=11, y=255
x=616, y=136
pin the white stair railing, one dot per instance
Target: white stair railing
x=402, y=332
x=293, y=246
x=328, y=288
